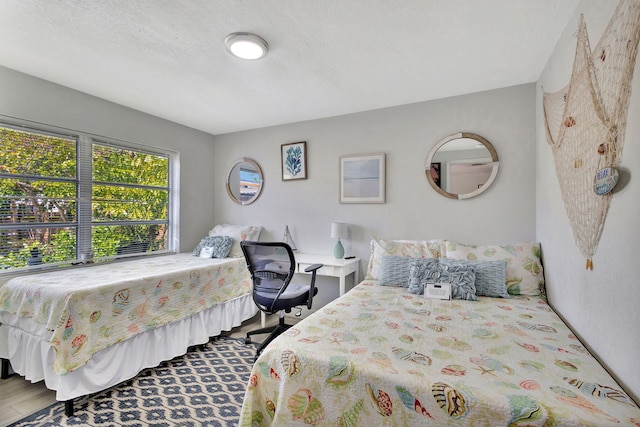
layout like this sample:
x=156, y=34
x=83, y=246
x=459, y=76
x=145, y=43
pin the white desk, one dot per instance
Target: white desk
x=332, y=267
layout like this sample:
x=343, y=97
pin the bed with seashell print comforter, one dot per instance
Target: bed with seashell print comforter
x=82, y=311
x=379, y=356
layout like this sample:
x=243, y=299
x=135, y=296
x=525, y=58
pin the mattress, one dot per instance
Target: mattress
x=380, y=356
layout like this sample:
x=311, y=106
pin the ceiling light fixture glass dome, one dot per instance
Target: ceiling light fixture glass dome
x=246, y=45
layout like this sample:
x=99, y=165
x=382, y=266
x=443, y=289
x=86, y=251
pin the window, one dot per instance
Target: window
x=67, y=199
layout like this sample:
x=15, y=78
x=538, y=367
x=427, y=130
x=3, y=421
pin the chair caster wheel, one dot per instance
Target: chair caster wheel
x=247, y=341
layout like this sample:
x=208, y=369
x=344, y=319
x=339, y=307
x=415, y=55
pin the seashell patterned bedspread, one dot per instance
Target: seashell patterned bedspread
x=84, y=310
x=379, y=356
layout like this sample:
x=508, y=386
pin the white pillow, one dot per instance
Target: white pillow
x=405, y=248
x=525, y=275
x=239, y=233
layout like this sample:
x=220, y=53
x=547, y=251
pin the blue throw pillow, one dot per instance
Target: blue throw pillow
x=419, y=269
x=462, y=279
x=221, y=245
x=491, y=276
x=395, y=270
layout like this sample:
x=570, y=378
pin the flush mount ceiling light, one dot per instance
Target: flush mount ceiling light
x=246, y=45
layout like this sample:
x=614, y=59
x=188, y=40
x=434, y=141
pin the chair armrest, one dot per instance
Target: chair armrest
x=313, y=267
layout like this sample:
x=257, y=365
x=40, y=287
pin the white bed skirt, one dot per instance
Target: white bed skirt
x=32, y=357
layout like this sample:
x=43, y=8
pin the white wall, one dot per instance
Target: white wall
x=601, y=305
x=28, y=98
x=505, y=213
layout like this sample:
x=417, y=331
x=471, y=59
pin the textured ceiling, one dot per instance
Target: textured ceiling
x=326, y=58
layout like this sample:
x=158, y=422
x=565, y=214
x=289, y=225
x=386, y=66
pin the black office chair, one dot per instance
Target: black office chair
x=272, y=266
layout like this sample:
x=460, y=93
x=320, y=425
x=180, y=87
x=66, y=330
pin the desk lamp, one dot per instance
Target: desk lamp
x=339, y=231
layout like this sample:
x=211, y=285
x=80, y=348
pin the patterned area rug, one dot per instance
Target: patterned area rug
x=204, y=387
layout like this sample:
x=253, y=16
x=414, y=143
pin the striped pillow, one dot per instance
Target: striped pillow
x=395, y=270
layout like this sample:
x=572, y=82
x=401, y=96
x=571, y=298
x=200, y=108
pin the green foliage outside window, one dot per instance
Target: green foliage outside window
x=39, y=199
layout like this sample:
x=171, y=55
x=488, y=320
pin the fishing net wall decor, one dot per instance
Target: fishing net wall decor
x=585, y=123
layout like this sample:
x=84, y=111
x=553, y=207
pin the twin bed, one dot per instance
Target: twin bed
x=83, y=330
x=382, y=355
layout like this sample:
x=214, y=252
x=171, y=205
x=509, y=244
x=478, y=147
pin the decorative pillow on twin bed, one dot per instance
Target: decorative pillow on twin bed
x=221, y=245
x=524, y=269
x=403, y=248
x=238, y=233
x=462, y=278
x=395, y=270
x=491, y=276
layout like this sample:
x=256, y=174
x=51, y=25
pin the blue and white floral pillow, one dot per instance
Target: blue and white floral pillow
x=491, y=276
x=221, y=245
x=418, y=271
x=462, y=278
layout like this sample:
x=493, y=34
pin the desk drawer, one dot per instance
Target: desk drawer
x=326, y=270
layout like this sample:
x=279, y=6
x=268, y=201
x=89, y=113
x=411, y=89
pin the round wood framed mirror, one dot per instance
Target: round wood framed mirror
x=462, y=165
x=245, y=181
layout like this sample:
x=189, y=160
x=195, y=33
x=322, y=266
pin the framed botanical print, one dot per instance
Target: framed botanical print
x=294, y=160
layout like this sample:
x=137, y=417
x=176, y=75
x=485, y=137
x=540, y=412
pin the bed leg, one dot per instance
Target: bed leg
x=68, y=408
x=4, y=369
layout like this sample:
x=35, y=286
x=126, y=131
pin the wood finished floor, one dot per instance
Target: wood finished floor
x=19, y=397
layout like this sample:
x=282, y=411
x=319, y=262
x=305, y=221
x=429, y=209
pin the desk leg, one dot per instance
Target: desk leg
x=343, y=280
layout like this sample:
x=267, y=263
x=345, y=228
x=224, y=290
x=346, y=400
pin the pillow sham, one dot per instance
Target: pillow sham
x=524, y=268
x=221, y=246
x=404, y=248
x=394, y=270
x=238, y=233
x=462, y=279
x=491, y=276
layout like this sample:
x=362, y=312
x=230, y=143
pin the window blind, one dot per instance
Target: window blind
x=68, y=199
